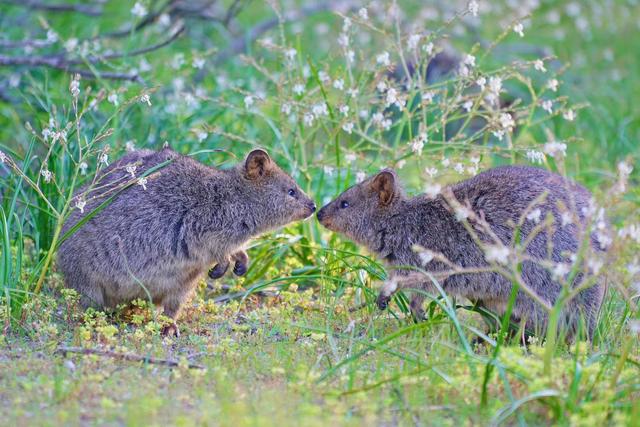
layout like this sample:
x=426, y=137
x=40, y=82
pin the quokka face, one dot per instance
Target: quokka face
x=274, y=191
x=355, y=212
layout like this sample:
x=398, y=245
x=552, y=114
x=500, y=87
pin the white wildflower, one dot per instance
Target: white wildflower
x=594, y=265
x=248, y=101
x=534, y=215
x=131, y=169
x=139, y=10
x=328, y=170
x=74, y=86
x=381, y=86
x=47, y=175
x=383, y=59
x=432, y=189
x=535, y=156
x=348, y=127
x=426, y=256
x=363, y=13
x=298, y=89
x=431, y=172
x=507, y=122
x=553, y=85
x=351, y=56
x=338, y=84
x=286, y=108
x=467, y=106
x=320, y=109
x=445, y=162
x=290, y=54
x=343, y=40
x=71, y=44
x=413, y=41
x=352, y=92
x=428, y=48
x=462, y=213
x=52, y=36
x=323, y=76
x=164, y=20
x=360, y=176
x=113, y=98
x=308, y=119
x=103, y=158
x=538, y=64
x=428, y=96
x=566, y=218
x=350, y=158
x=83, y=168
x=80, y=204
x=547, y=105
x=198, y=62
x=569, y=115
x=145, y=98
x=459, y=167
x=3, y=157
x=344, y=109
x=474, y=7
x=482, y=82
x=560, y=270
x=519, y=29
x=497, y=253
x=201, y=135
x=142, y=181
x=469, y=60
x=554, y=149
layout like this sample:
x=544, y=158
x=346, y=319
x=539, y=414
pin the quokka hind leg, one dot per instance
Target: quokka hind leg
x=172, y=305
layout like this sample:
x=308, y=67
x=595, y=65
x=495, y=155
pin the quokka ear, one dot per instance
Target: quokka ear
x=384, y=184
x=257, y=164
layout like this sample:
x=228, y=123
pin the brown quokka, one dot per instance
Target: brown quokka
x=158, y=237
x=376, y=213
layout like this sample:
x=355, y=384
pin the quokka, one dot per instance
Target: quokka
x=156, y=239
x=377, y=214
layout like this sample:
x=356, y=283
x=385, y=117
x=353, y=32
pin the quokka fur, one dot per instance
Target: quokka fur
x=156, y=241
x=377, y=214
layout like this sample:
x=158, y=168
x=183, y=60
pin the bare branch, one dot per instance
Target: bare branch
x=124, y=356
x=241, y=43
x=90, y=9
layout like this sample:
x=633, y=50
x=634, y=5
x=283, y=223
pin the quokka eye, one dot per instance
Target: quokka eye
x=344, y=204
x=291, y=192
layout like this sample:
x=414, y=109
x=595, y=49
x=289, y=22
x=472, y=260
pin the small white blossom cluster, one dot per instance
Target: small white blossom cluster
x=555, y=149
x=53, y=134
x=624, y=170
x=74, y=86
x=497, y=253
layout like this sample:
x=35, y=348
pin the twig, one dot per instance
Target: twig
x=60, y=63
x=240, y=44
x=124, y=356
x=85, y=9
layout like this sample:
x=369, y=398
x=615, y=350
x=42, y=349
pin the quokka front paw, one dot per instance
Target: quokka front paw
x=242, y=263
x=218, y=270
x=383, y=301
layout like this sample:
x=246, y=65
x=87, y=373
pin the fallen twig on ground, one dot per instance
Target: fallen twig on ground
x=124, y=356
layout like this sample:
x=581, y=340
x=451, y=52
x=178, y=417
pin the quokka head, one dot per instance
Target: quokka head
x=275, y=194
x=360, y=211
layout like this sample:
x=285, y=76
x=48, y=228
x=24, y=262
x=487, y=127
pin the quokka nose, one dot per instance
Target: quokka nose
x=312, y=206
x=320, y=214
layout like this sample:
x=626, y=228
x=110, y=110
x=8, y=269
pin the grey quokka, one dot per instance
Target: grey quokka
x=377, y=213
x=158, y=237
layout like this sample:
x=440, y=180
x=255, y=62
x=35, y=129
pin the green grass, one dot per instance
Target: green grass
x=299, y=341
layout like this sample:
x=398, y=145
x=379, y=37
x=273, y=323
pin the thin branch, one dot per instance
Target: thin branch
x=241, y=43
x=60, y=63
x=85, y=9
x=148, y=20
x=124, y=356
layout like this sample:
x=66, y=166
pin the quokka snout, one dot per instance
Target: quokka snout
x=377, y=214
x=158, y=237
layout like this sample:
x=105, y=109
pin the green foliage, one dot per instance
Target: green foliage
x=298, y=340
